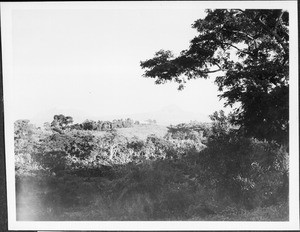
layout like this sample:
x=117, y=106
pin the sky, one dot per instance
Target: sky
x=85, y=62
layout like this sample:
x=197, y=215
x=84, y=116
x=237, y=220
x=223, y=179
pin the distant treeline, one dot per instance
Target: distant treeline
x=62, y=122
x=104, y=125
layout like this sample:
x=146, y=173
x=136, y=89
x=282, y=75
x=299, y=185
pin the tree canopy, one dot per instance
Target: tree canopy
x=61, y=122
x=249, y=49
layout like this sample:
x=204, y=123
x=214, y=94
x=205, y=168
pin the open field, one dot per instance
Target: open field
x=143, y=131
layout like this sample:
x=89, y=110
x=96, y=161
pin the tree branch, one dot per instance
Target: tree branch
x=242, y=33
x=239, y=32
x=212, y=71
x=278, y=38
x=231, y=45
x=220, y=68
x=266, y=28
x=279, y=20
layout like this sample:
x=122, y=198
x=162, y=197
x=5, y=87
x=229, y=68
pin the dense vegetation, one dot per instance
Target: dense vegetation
x=62, y=122
x=197, y=171
x=234, y=168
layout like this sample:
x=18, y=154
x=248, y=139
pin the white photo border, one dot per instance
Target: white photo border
x=13, y=224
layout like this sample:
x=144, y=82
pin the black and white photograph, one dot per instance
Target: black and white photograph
x=151, y=115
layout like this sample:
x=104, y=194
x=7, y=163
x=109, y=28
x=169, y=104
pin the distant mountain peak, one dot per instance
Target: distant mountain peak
x=172, y=108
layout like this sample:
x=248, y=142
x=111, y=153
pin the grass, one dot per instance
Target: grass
x=151, y=189
x=143, y=130
x=140, y=131
x=150, y=192
x=278, y=212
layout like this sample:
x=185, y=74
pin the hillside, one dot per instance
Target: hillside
x=142, y=131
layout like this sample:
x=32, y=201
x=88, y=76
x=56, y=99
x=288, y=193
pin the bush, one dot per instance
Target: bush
x=25, y=137
x=26, y=165
x=249, y=171
x=57, y=152
x=205, y=171
x=161, y=188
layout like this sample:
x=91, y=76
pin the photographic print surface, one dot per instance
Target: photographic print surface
x=141, y=115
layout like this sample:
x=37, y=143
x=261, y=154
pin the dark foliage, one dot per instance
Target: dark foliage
x=235, y=165
x=250, y=50
x=61, y=122
x=104, y=125
x=79, y=175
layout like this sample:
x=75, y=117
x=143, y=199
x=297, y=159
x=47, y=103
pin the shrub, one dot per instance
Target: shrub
x=251, y=172
x=54, y=161
x=60, y=151
x=26, y=165
x=25, y=139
